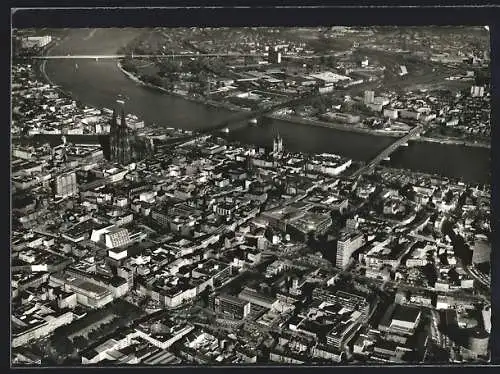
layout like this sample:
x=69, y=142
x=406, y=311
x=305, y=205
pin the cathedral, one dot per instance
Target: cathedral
x=120, y=140
x=278, y=145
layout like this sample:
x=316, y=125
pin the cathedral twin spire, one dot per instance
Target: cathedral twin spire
x=119, y=137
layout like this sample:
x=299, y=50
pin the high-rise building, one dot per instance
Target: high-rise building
x=274, y=56
x=369, y=97
x=486, y=313
x=481, y=251
x=346, y=245
x=232, y=306
x=477, y=91
x=65, y=185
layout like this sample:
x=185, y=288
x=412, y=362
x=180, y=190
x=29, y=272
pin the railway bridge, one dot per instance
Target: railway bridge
x=386, y=152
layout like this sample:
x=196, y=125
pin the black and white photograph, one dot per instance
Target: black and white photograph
x=226, y=196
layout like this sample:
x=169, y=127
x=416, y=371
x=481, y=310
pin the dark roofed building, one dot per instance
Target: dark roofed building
x=400, y=319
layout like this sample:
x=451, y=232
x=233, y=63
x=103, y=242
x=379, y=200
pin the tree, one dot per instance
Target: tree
x=192, y=89
x=319, y=105
x=130, y=67
x=62, y=345
x=431, y=273
x=79, y=104
x=152, y=79
x=168, y=67
x=167, y=83
x=80, y=342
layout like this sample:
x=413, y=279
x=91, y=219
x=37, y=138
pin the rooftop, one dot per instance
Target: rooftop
x=406, y=313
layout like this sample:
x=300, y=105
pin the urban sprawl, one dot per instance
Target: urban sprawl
x=139, y=244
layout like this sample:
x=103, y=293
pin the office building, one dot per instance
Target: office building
x=65, y=185
x=32, y=327
x=400, y=319
x=477, y=91
x=116, y=237
x=369, y=97
x=352, y=224
x=88, y=292
x=231, y=306
x=257, y=298
x=390, y=113
x=346, y=245
x=486, y=314
x=342, y=333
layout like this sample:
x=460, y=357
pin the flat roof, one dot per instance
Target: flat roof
x=233, y=299
x=81, y=228
x=329, y=76
x=256, y=295
x=92, y=287
x=405, y=313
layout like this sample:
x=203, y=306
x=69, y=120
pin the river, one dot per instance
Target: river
x=98, y=83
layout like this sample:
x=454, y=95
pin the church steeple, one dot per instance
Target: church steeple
x=113, y=135
x=122, y=120
x=124, y=150
x=277, y=144
x=114, y=119
x=124, y=146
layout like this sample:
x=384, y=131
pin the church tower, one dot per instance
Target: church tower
x=113, y=136
x=120, y=140
x=124, y=147
x=277, y=145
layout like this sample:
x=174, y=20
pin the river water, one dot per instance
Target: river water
x=98, y=83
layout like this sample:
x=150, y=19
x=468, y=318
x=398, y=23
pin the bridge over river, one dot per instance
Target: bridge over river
x=256, y=113
x=142, y=56
x=385, y=153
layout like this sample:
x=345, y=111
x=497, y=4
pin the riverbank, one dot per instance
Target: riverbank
x=99, y=84
x=214, y=104
x=233, y=108
x=297, y=119
x=464, y=143
x=395, y=134
x=414, y=173
x=40, y=66
x=336, y=126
